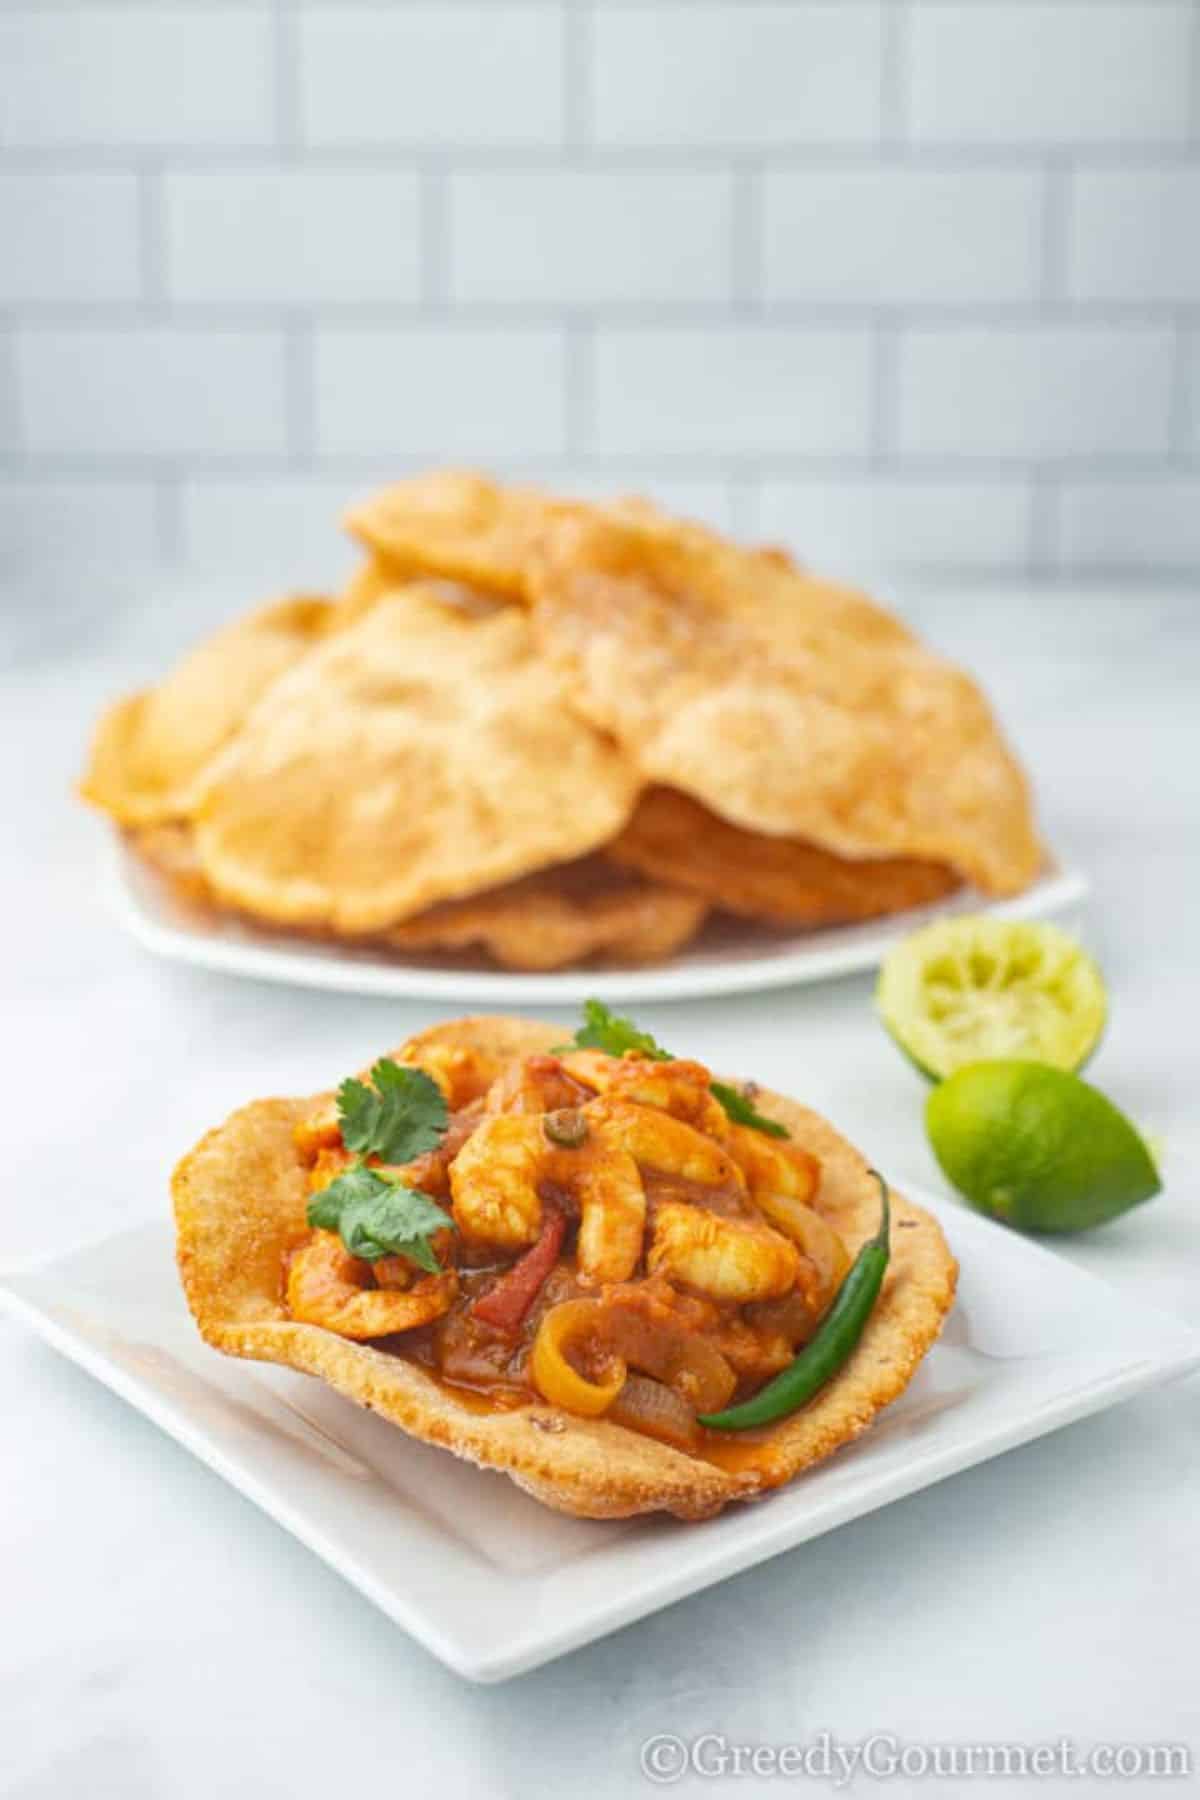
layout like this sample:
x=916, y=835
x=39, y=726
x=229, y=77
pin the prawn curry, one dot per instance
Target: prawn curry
x=561, y=1260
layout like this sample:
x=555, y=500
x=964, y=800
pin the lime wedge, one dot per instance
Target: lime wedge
x=1036, y=1147
x=973, y=987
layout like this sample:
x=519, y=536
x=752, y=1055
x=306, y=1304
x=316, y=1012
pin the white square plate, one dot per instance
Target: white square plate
x=727, y=957
x=493, y=1583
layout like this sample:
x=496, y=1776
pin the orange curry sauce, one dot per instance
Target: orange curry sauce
x=684, y=1307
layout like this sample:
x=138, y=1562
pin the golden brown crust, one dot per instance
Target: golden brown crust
x=240, y=1199
x=149, y=749
x=560, y=916
x=782, y=880
x=786, y=705
x=568, y=914
x=169, y=850
x=417, y=756
x=457, y=524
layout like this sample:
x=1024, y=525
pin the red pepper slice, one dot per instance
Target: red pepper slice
x=506, y=1304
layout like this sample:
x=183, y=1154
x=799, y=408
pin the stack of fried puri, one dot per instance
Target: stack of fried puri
x=550, y=733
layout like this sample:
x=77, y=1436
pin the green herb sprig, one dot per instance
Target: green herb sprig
x=400, y=1117
x=608, y=1031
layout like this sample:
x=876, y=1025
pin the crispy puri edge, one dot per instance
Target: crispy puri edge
x=491, y=554
x=620, y=926
x=659, y=855
x=105, y=783
x=302, y=902
x=239, y=1200
x=628, y=937
x=604, y=543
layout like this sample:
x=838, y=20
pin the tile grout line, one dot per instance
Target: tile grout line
x=1044, y=521
x=648, y=316
x=885, y=361
x=747, y=242
x=385, y=6
x=168, y=512
x=11, y=396
x=864, y=153
x=299, y=395
x=653, y=317
x=289, y=126
x=895, y=32
x=578, y=54
x=578, y=385
x=436, y=225
x=914, y=467
x=152, y=238
x=1058, y=194
x=1181, y=424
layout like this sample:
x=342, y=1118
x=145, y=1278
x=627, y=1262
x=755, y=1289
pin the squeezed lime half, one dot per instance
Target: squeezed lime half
x=1037, y=1147
x=975, y=987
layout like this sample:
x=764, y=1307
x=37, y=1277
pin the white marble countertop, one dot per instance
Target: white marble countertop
x=161, y=1638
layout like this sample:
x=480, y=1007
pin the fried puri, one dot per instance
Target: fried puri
x=574, y=913
x=564, y=916
x=517, y=695
x=459, y=526
x=417, y=756
x=784, y=709
x=240, y=1206
x=149, y=748
x=784, y=881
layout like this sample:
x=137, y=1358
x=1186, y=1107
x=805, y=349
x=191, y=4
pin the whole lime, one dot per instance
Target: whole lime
x=1037, y=1147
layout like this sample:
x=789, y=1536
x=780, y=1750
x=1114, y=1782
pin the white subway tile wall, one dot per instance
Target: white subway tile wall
x=441, y=76
x=913, y=285
x=583, y=237
x=292, y=237
x=446, y=390
x=113, y=393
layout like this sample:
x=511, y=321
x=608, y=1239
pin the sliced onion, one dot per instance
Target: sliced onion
x=815, y=1236
x=656, y=1410
x=573, y=1324
x=684, y=1361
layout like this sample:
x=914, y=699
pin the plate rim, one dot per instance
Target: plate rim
x=1060, y=889
x=529, y=1648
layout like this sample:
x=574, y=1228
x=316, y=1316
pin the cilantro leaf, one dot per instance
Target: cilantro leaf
x=605, y=1030
x=743, y=1112
x=608, y=1031
x=358, y=1107
x=400, y=1118
x=377, y=1217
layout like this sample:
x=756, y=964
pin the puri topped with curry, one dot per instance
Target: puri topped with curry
x=588, y=1263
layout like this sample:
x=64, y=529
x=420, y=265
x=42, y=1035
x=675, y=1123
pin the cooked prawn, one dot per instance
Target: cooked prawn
x=495, y=1182
x=429, y=1173
x=725, y=1258
x=535, y=1084
x=593, y=1067
x=660, y=1142
x=327, y=1286
x=462, y=1075
x=679, y=1087
x=773, y=1165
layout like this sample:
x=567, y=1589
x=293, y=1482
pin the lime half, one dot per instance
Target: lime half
x=1036, y=1147
x=974, y=987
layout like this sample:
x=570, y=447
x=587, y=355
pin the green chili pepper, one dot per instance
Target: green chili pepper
x=823, y=1355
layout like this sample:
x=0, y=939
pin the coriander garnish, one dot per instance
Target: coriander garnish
x=374, y=1211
